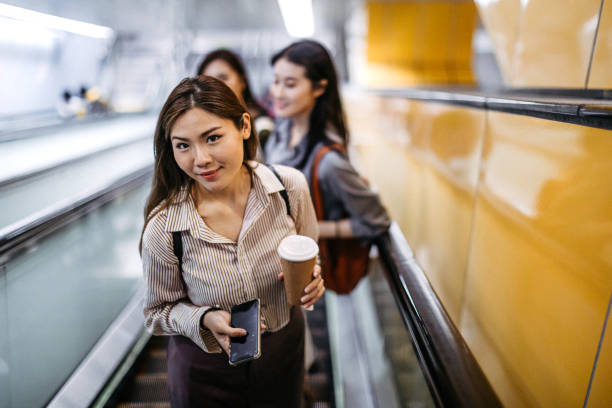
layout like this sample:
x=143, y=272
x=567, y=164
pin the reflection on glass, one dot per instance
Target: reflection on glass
x=407, y=375
x=63, y=294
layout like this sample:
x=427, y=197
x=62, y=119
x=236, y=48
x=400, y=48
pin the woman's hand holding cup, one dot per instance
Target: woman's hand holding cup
x=302, y=278
x=314, y=290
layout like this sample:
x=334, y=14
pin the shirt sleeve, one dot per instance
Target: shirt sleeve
x=341, y=184
x=167, y=308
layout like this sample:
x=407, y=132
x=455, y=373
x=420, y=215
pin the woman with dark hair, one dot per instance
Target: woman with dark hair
x=227, y=66
x=230, y=215
x=311, y=129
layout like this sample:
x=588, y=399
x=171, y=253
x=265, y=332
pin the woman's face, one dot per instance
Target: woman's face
x=292, y=91
x=209, y=149
x=223, y=71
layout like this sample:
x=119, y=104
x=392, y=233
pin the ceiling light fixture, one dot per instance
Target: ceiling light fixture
x=54, y=22
x=298, y=17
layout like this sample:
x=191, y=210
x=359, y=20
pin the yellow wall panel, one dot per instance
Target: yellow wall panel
x=511, y=219
x=436, y=149
x=601, y=68
x=501, y=20
x=601, y=391
x=464, y=20
x=554, y=43
x=391, y=28
x=460, y=42
x=540, y=264
x=451, y=159
x=418, y=42
x=382, y=137
x=433, y=33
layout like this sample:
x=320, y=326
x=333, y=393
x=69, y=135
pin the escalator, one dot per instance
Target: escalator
x=145, y=384
x=70, y=269
x=369, y=353
x=69, y=281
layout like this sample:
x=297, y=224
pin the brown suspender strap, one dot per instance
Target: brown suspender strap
x=314, y=179
x=344, y=260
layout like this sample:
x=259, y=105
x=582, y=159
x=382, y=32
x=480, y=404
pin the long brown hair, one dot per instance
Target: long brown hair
x=203, y=92
x=317, y=62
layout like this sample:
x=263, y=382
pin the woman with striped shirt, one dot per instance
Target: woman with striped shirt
x=231, y=217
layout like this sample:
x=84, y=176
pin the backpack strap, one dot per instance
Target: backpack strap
x=177, y=241
x=283, y=192
x=314, y=179
x=177, y=245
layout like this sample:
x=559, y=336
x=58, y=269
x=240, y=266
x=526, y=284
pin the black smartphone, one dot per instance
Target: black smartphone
x=245, y=348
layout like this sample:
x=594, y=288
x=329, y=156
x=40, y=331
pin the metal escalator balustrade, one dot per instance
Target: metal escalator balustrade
x=70, y=274
x=62, y=293
x=454, y=377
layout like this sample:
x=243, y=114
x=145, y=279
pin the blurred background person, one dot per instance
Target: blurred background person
x=225, y=65
x=311, y=129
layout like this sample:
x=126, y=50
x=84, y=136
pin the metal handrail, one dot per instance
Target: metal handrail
x=17, y=237
x=588, y=109
x=452, y=373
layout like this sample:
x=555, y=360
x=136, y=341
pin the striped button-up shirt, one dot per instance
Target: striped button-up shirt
x=217, y=270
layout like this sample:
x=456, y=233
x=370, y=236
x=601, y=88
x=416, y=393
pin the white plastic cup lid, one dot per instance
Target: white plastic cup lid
x=298, y=248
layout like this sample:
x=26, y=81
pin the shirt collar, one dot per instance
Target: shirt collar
x=269, y=181
x=183, y=215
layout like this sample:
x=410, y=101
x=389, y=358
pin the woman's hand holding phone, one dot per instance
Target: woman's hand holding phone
x=218, y=322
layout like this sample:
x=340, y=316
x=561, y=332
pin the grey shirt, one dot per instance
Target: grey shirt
x=345, y=194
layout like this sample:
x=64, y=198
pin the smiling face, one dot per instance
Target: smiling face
x=209, y=149
x=223, y=71
x=293, y=93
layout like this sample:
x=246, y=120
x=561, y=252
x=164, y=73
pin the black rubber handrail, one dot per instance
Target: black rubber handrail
x=452, y=373
x=14, y=239
x=585, y=109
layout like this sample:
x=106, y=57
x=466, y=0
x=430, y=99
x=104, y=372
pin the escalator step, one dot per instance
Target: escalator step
x=159, y=342
x=155, y=363
x=149, y=388
x=318, y=384
x=318, y=332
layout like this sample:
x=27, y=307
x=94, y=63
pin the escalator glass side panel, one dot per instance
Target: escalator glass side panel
x=396, y=342
x=374, y=360
x=63, y=293
x=4, y=350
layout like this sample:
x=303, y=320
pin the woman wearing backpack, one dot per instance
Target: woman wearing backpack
x=311, y=135
x=230, y=215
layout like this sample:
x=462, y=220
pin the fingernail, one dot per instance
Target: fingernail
x=303, y=299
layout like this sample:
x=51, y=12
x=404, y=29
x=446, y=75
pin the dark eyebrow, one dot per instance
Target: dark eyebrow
x=204, y=134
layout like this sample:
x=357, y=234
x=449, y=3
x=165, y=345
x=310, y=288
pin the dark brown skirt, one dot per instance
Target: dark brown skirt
x=276, y=379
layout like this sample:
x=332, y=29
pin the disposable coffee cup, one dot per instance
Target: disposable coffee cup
x=298, y=254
